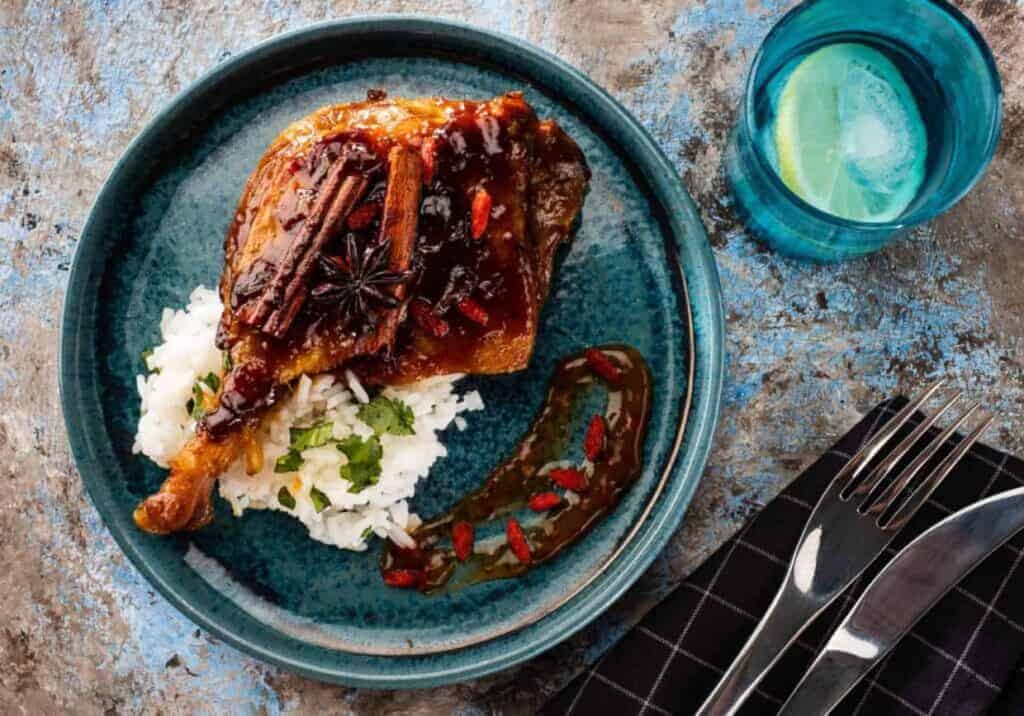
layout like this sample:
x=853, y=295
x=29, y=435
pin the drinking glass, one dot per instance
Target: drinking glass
x=953, y=77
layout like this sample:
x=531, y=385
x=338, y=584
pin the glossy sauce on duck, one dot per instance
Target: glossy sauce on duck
x=502, y=276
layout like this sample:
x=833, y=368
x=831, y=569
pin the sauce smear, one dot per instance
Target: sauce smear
x=433, y=562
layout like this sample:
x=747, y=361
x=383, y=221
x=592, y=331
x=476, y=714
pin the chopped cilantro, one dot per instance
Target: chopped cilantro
x=320, y=500
x=318, y=434
x=289, y=462
x=196, y=406
x=285, y=498
x=366, y=534
x=363, y=467
x=212, y=380
x=388, y=415
x=225, y=362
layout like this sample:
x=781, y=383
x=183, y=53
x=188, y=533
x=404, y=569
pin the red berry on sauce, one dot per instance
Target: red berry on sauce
x=404, y=578
x=602, y=365
x=593, y=441
x=517, y=541
x=462, y=540
x=480, y=213
x=544, y=501
x=424, y=315
x=570, y=478
x=473, y=311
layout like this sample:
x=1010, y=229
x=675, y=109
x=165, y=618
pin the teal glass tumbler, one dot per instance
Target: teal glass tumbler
x=954, y=79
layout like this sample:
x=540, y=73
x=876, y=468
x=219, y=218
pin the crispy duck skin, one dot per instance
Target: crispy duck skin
x=417, y=168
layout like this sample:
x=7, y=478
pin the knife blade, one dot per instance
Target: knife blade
x=902, y=593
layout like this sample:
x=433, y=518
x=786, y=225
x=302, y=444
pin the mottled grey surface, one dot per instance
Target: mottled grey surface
x=809, y=347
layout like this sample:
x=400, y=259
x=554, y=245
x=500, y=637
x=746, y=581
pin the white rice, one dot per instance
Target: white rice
x=188, y=352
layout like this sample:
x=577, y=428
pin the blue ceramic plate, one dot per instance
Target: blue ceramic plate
x=640, y=271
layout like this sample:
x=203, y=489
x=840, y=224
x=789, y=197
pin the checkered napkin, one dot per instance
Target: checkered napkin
x=964, y=657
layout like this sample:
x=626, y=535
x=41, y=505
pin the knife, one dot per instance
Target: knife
x=902, y=593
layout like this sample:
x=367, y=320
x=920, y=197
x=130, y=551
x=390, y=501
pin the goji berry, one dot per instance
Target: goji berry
x=544, y=501
x=473, y=311
x=480, y=213
x=593, y=441
x=428, y=320
x=570, y=478
x=602, y=365
x=462, y=540
x=403, y=578
x=363, y=216
x=517, y=540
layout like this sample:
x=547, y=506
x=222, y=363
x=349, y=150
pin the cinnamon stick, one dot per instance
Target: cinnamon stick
x=400, y=219
x=256, y=313
x=296, y=288
x=402, y=208
x=284, y=297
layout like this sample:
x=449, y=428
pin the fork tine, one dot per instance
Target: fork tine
x=930, y=483
x=900, y=451
x=897, y=487
x=852, y=470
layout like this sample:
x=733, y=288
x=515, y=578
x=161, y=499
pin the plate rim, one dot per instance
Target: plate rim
x=701, y=416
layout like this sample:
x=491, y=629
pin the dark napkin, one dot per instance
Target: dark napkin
x=964, y=657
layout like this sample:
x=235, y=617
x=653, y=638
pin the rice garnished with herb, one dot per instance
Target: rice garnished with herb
x=341, y=460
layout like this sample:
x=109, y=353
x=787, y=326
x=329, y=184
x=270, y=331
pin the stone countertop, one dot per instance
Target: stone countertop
x=810, y=347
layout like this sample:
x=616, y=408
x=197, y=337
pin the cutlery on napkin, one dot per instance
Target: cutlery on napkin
x=963, y=657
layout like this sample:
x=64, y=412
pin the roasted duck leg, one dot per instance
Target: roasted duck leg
x=399, y=238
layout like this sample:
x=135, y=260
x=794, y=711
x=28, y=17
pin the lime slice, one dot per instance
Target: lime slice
x=849, y=138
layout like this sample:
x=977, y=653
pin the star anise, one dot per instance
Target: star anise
x=357, y=284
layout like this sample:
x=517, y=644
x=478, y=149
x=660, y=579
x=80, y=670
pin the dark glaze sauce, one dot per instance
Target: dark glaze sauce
x=453, y=264
x=473, y=151
x=247, y=390
x=512, y=483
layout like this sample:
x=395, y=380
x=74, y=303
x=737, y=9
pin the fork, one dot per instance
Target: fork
x=850, y=526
